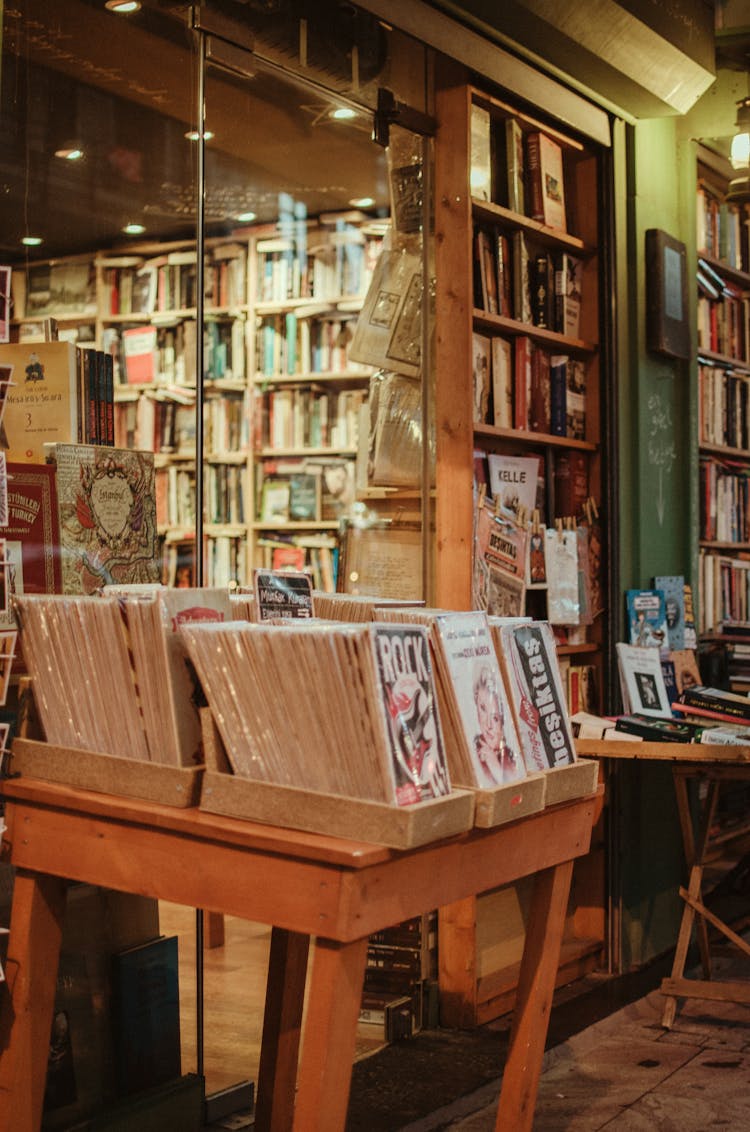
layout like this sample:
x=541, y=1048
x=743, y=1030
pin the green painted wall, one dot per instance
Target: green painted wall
x=658, y=529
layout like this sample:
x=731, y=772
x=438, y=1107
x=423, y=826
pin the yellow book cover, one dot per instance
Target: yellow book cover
x=41, y=403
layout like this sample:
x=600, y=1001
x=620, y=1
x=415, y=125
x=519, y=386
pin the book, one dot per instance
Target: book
x=502, y=383
x=499, y=563
x=513, y=482
x=536, y=692
x=139, y=354
x=305, y=496
x=523, y=350
x=544, y=167
x=107, y=516
x=481, y=347
x=145, y=987
x=647, y=619
x=687, y=673
x=41, y=404
x=568, y=270
x=673, y=588
x=485, y=255
x=31, y=536
x=575, y=399
x=713, y=703
x=514, y=153
x=504, y=275
x=520, y=288
x=571, y=482
x=480, y=173
x=642, y=681
x=656, y=730
x=540, y=401
x=558, y=380
x=388, y=331
x=541, y=283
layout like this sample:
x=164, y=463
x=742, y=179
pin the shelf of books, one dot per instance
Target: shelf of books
x=520, y=462
x=723, y=317
x=283, y=400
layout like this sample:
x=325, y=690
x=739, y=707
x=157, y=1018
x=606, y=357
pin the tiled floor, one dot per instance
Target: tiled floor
x=626, y=1073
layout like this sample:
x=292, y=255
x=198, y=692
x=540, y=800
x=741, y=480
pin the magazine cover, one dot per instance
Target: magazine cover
x=537, y=695
x=485, y=716
x=407, y=689
x=647, y=618
x=513, y=482
x=499, y=585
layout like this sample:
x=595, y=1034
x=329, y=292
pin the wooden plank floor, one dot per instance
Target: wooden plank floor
x=234, y=994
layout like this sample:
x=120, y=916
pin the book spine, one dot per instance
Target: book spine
x=534, y=176
x=558, y=396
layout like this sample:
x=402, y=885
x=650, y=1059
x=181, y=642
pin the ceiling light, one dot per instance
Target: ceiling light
x=740, y=152
x=69, y=153
x=245, y=217
x=342, y=113
x=31, y=241
x=195, y=135
x=122, y=7
x=134, y=229
x=362, y=202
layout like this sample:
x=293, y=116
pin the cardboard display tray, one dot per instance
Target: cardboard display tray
x=107, y=774
x=508, y=802
x=398, y=827
x=573, y=781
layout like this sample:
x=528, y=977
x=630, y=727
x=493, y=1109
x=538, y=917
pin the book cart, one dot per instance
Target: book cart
x=304, y=884
x=711, y=767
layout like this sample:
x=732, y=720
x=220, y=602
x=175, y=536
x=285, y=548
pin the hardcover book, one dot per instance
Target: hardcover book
x=713, y=703
x=642, y=681
x=484, y=253
x=139, y=354
x=481, y=356
x=537, y=694
x=481, y=153
x=41, y=404
x=107, y=517
x=575, y=399
x=514, y=151
x=568, y=283
x=502, y=383
x=656, y=730
x=545, y=179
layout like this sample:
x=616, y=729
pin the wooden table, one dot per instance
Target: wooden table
x=713, y=765
x=304, y=885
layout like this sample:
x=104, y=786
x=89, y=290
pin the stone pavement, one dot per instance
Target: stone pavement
x=626, y=1073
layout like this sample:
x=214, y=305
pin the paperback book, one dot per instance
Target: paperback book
x=513, y=483
x=642, y=681
x=647, y=619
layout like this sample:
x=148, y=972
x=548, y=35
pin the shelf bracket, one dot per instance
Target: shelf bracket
x=391, y=112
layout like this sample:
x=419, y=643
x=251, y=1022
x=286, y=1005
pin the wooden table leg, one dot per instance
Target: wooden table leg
x=536, y=985
x=330, y=1036
x=36, y=925
x=282, y=1022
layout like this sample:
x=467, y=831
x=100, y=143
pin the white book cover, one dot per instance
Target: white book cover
x=513, y=482
x=642, y=681
x=537, y=694
x=481, y=702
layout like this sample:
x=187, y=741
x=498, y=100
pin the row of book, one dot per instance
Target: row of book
x=317, y=554
x=168, y=283
x=304, y=417
x=724, y=501
x=225, y=562
x=522, y=482
x=662, y=617
x=334, y=261
x=225, y=494
x=174, y=487
x=163, y=420
x=723, y=406
x=518, y=167
x=520, y=384
x=723, y=315
x=147, y=354
x=298, y=343
x=305, y=489
x=724, y=591
x=516, y=279
x=722, y=228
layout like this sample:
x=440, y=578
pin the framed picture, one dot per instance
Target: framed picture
x=667, y=328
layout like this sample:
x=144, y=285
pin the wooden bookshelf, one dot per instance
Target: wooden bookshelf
x=477, y=984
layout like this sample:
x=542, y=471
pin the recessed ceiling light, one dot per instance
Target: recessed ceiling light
x=245, y=217
x=122, y=7
x=362, y=202
x=342, y=113
x=134, y=229
x=194, y=135
x=31, y=241
x=69, y=153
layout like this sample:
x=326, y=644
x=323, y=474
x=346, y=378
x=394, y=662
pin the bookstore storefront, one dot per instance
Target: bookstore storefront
x=277, y=295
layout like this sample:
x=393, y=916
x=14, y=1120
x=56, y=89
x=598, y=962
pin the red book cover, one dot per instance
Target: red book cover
x=32, y=541
x=571, y=482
